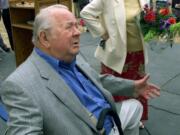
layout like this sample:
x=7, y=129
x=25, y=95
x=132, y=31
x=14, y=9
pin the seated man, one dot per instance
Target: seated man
x=56, y=93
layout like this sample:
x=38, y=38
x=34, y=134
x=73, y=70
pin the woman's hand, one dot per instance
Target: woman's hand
x=105, y=36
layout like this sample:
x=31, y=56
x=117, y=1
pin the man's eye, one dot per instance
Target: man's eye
x=67, y=27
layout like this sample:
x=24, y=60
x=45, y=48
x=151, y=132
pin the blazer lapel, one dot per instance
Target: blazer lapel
x=120, y=16
x=61, y=90
x=66, y=95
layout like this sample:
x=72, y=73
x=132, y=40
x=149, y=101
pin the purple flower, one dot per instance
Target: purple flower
x=165, y=25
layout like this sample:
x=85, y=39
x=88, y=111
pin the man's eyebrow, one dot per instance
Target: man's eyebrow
x=71, y=22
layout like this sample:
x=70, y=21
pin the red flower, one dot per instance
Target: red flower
x=172, y=20
x=81, y=22
x=164, y=11
x=150, y=17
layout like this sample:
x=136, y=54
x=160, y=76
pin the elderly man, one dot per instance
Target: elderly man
x=56, y=93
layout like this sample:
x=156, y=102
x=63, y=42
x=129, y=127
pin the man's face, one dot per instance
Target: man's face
x=64, y=37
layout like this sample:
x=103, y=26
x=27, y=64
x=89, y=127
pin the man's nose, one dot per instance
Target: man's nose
x=76, y=31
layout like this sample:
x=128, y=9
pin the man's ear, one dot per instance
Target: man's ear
x=43, y=39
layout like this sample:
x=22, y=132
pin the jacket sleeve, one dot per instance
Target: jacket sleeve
x=92, y=15
x=115, y=85
x=24, y=115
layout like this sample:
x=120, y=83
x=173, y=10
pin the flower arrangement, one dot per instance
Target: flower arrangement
x=159, y=23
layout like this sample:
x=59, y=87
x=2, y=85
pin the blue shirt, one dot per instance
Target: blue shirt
x=85, y=90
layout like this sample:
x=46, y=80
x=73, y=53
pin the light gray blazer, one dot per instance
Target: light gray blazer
x=39, y=102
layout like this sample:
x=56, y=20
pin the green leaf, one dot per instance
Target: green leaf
x=150, y=35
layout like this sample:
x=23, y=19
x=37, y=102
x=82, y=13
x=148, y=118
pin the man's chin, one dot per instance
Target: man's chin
x=77, y=52
x=74, y=53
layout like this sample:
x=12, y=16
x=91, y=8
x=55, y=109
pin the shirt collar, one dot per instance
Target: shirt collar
x=71, y=65
x=55, y=63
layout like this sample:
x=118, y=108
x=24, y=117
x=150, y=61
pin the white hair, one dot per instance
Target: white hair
x=43, y=21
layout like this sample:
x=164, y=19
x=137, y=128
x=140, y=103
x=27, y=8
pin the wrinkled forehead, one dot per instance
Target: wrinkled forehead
x=64, y=16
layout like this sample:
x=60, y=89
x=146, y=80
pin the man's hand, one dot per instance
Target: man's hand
x=145, y=89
